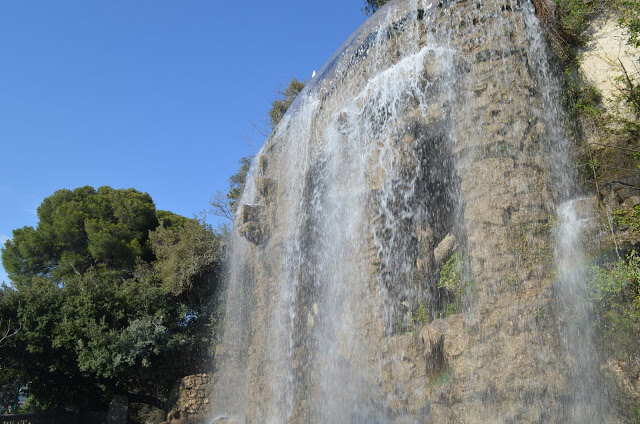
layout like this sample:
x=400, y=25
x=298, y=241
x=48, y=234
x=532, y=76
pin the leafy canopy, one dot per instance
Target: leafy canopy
x=81, y=229
x=285, y=98
x=110, y=295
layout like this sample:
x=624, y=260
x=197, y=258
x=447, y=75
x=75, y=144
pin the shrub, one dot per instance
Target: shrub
x=628, y=218
x=616, y=291
x=280, y=105
x=572, y=20
x=630, y=18
x=452, y=280
x=451, y=275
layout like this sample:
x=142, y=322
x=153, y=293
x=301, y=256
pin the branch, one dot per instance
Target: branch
x=631, y=96
x=9, y=332
x=220, y=206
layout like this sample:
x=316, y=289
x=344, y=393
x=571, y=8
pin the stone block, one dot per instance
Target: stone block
x=267, y=188
x=252, y=213
x=255, y=232
x=444, y=249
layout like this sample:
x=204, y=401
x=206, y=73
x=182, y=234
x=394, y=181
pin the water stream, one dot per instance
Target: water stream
x=389, y=151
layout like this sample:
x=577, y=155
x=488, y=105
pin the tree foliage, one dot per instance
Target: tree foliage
x=110, y=295
x=184, y=255
x=81, y=229
x=281, y=104
x=617, y=295
x=630, y=19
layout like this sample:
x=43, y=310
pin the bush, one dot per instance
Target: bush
x=451, y=275
x=452, y=280
x=616, y=291
x=280, y=106
x=572, y=20
x=630, y=18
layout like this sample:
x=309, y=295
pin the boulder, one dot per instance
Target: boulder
x=444, y=249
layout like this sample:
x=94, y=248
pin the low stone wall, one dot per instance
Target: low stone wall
x=62, y=418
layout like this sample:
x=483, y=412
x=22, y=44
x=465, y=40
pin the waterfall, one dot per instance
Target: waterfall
x=588, y=404
x=392, y=259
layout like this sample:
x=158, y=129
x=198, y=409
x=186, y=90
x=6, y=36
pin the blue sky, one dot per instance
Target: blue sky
x=163, y=96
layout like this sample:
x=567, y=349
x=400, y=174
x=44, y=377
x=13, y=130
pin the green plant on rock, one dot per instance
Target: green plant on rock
x=636, y=157
x=628, y=218
x=581, y=98
x=572, y=17
x=285, y=98
x=628, y=100
x=451, y=274
x=452, y=280
x=419, y=316
x=442, y=378
x=616, y=292
x=630, y=19
x=589, y=164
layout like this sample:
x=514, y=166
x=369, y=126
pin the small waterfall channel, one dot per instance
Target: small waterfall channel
x=395, y=257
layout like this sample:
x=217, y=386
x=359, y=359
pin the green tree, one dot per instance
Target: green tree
x=281, y=104
x=80, y=229
x=110, y=296
x=371, y=6
x=9, y=382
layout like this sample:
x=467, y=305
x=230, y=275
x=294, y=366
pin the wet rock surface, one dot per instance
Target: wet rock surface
x=350, y=319
x=194, y=398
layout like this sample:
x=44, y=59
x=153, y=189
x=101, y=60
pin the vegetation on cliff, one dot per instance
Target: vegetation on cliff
x=110, y=296
x=617, y=296
x=225, y=204
x=284, y=99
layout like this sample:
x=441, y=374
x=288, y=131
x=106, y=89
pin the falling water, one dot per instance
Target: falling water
x=432, y=134
x=588, y=404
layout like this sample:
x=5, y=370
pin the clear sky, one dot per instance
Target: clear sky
x=160, y=95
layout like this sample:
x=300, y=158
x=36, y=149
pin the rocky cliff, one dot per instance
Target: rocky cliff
x=411, y=236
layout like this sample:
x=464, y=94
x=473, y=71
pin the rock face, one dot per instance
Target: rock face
x=399, y=260
x=606, y=56
x=193, y=400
